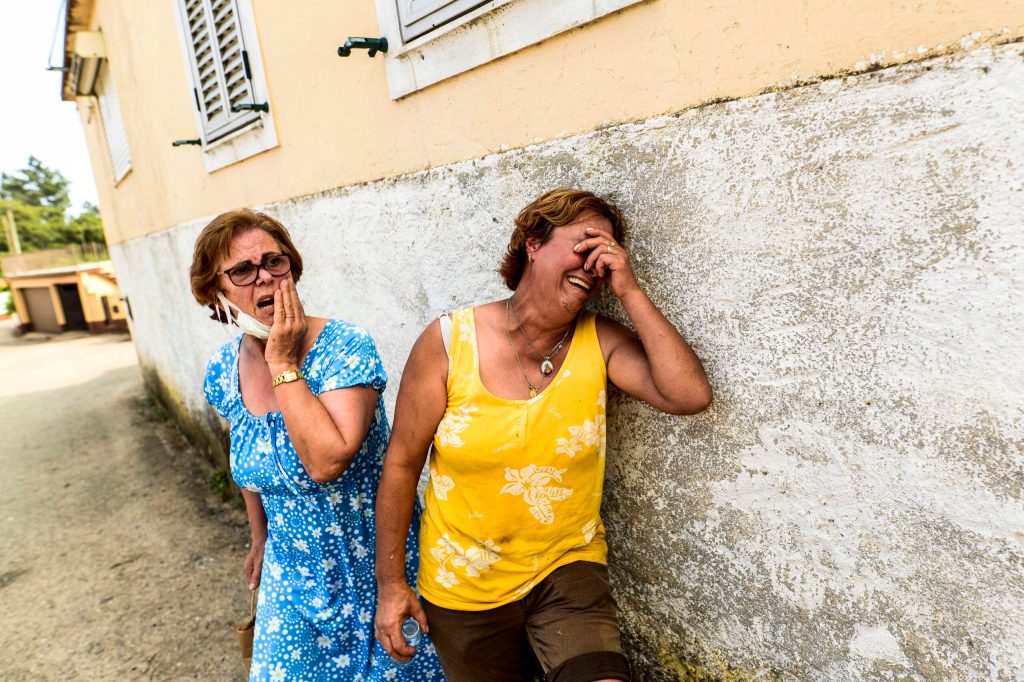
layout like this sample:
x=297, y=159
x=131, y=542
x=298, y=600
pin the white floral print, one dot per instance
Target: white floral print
x=588, y=531
x=589, y=435
x=455, y=422
x=442, y=484
x=467, y=330
x=446, y=577
x=524, y=590
x=473, y=561
x=532, y=483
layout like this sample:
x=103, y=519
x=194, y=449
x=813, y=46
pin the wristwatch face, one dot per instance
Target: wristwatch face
x=287, y=376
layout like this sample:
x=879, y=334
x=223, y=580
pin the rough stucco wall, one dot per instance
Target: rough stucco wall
x=338, y=126
x=846, y=258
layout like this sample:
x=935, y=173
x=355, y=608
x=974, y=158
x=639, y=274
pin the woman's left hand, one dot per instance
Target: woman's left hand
x=608, y=259
x=288, y=331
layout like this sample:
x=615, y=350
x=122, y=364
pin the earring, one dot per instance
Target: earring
x=529, y=257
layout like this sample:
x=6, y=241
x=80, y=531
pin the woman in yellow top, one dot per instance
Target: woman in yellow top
x=512, y=396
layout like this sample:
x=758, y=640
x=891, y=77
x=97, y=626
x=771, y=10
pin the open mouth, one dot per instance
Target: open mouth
x=265, y=302
x=579, y=282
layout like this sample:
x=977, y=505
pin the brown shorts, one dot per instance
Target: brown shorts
x=568, y=623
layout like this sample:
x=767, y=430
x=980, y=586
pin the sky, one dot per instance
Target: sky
x=34, y=121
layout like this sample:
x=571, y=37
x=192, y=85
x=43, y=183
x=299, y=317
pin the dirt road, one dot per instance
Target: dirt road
x=117, y=560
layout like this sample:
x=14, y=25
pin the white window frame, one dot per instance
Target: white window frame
x=254, y=138
x=478, y=37
x=422, y=16
x=112, y=122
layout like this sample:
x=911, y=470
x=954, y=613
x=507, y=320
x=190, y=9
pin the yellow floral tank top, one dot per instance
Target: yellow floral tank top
x=515, y=485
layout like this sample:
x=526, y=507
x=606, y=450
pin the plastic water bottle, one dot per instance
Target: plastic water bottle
x=412, y=634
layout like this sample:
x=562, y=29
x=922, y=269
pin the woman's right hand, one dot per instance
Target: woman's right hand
x=252, y=567
x=395, y=603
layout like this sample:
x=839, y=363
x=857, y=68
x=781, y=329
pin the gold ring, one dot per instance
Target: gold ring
x=611, y=249
x=612, y=244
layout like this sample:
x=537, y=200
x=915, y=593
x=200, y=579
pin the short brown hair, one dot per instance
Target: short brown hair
x=214, y=242
x=548, y=211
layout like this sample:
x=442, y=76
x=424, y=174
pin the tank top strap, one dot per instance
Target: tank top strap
x=462, y=358
x=587, y=330
x=587, y=355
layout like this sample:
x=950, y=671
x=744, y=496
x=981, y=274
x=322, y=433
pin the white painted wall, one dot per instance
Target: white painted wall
x=847, y=259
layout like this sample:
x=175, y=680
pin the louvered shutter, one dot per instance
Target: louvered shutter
x=113, y=124
x=220, y=68
x=420, y=16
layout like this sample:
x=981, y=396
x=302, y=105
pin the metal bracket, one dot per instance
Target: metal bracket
x=249, y=106
x=178, y=143
x=372, y=44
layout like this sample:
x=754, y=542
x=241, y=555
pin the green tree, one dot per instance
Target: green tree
x=36, y=185
x=35, y=230
x=38, y=196
x=86, y=226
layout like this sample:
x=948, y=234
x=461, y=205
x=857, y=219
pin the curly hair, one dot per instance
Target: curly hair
x=214, y=243
x=550, y=210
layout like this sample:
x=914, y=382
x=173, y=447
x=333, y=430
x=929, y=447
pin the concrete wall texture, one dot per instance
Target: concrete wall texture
x=846, y=257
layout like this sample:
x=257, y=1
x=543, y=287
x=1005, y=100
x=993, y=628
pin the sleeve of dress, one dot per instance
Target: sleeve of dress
x=215, y=385
x=354, y=362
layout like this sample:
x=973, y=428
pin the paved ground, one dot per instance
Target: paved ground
x=117, y=560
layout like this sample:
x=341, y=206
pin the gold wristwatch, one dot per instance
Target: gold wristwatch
x=288, y=376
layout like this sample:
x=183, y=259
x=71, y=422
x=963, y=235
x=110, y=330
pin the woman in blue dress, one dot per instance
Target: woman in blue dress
x=302, y=396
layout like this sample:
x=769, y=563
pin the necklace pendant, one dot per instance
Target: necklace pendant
x=547, y=368
x=533, y=392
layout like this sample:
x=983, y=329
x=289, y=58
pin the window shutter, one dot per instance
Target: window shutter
x=220, y=68
x=420, y=16
x=113, y=124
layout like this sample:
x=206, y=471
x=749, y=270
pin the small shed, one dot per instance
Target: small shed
x=53, y=297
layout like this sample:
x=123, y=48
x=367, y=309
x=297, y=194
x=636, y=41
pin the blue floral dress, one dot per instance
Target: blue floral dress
x=317, y=590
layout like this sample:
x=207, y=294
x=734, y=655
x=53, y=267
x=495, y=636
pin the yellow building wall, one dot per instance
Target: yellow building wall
x=336, y=124
x=92, y=289
x=20, y=309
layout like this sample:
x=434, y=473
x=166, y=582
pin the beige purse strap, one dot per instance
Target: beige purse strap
x=252, y=602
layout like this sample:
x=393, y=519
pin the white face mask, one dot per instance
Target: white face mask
x=249, y=324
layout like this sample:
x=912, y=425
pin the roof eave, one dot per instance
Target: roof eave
x=102, y=266
x=77, y=17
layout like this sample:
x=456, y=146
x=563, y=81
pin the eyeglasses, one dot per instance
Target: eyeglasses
x=246, y=273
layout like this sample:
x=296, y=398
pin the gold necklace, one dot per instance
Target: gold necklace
x=546, y=366
x=533, y=389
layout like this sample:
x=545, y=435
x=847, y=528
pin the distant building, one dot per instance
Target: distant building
x=54, y=292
